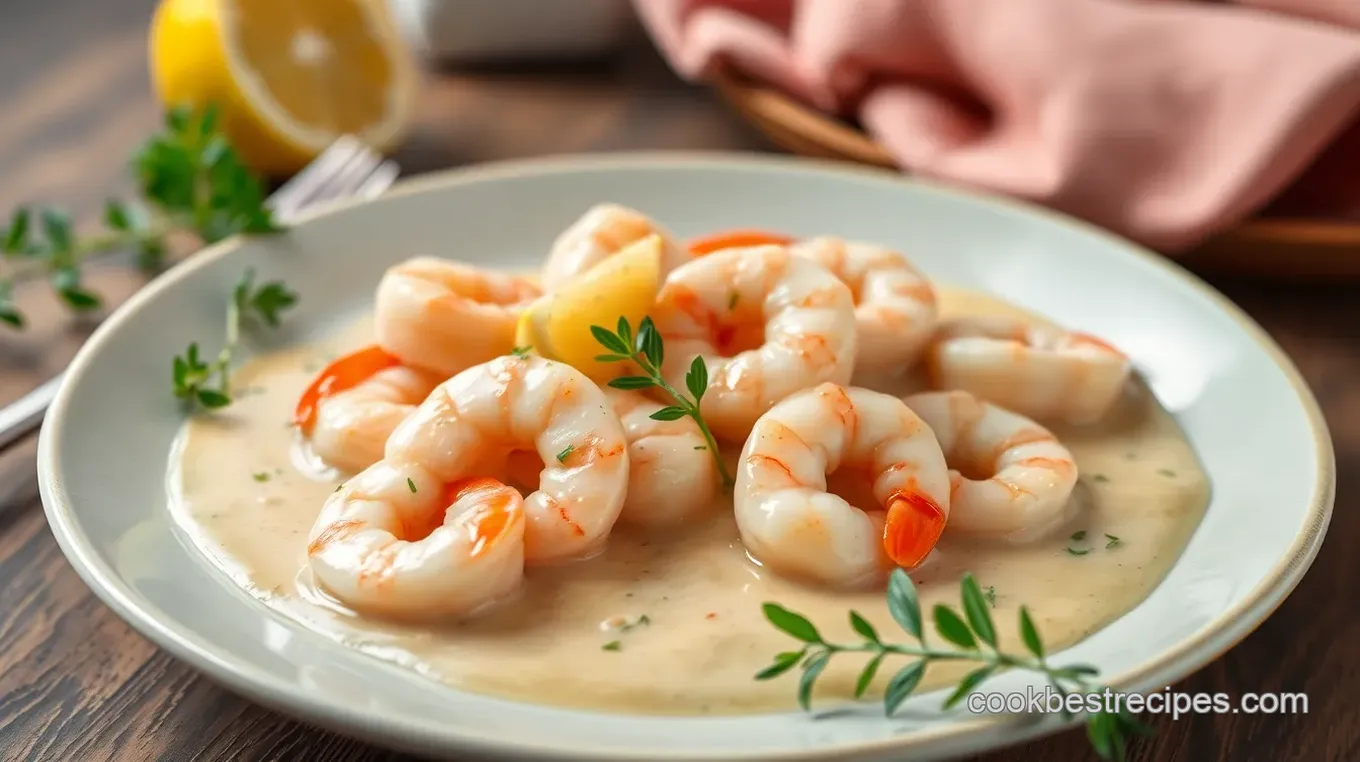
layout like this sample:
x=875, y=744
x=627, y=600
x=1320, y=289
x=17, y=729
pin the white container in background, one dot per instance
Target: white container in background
x=480, y=30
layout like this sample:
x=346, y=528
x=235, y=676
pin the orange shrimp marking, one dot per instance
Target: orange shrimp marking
x=1053, y=464
x=333, y=533
x=777, y=430
x=556, y=505
x=1079, y=338
x=731, y=239
x=806, y=347
x=845, y=410
x=589, y=452
x=343, y=373
x=1015, y=490
x=820, y=298
x=914, y=525
x=377, y=566
x=757, y=460
x=1018, y=439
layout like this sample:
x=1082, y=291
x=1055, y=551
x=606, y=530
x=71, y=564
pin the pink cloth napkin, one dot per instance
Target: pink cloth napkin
x=1164, y=120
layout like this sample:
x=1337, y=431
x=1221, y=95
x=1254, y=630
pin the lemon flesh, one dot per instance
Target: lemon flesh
x=288, y=77
x=558, y=325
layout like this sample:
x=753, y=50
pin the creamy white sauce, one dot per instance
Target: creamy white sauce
x=248, y=498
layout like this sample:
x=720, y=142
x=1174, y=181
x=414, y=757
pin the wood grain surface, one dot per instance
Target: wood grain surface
x=78, y=684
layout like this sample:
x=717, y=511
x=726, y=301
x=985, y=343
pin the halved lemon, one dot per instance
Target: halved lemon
x=289, y=77
x=558, y=325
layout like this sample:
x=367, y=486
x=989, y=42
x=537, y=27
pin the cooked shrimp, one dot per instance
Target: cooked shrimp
x=472, y=424
x=446, y=316
x=672, y=477
x=767, y=324
x=354, y=404
x=398, y=541
x=1024, y=475
x=895, y=308
x=1041, y=372
x=600, y=233
x=790, y=523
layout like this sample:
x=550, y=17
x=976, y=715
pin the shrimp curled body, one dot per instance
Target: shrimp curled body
x=895, y=305
x=446, y=316
x=672, y=477
x=1037, y=371
x=790, y=523
x=351, y=427
x=396, y=541
x=1025, y=474
x=473, y=423
x=767, y=324
x=603, y=231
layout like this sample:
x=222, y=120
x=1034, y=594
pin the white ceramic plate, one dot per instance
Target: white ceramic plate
x=104, y=447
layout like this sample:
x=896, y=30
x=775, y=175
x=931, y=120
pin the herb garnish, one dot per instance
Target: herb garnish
x=975, y=636
x=612, y=645
x=193, y=378
x=411, y=485
x=566, y=453
x=260, y=476
x=639, y=622
x=521, y=351
x=1113, y=541
x=190, y=180
x=1075, y=544
x=990, y=595
x=647, y=351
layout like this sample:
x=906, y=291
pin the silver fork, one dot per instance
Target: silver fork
x=347, y=169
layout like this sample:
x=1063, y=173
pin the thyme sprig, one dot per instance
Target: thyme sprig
x=647, y=351
x=190, y=180
x=208, y=383
x=974, y=636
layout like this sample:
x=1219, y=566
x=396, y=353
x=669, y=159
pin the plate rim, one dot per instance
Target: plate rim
x=1191, y=654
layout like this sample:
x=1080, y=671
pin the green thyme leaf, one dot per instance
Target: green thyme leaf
x=1030, y=635
x=782, y=663
x=902, y=685
x=861, y=625
x=609, y=341
x=975, y=609
x=632, y=382
x=16, y=236
x=903, y=603
x=866, y=677
x=812, y=669
x=696, y=379
x=969, y=683
x=671, y=413
x=951, y=627
x=790, y=623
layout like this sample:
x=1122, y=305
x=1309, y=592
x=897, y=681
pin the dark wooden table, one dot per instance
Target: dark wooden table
x=78, y=684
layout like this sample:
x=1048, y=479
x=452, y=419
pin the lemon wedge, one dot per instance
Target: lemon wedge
x=558, y=325
x=288, y=77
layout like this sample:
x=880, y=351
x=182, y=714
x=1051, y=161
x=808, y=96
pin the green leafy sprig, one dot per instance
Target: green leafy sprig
x=190, y=181
x=208, y=383
x=974, y=636
x=647, y=351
